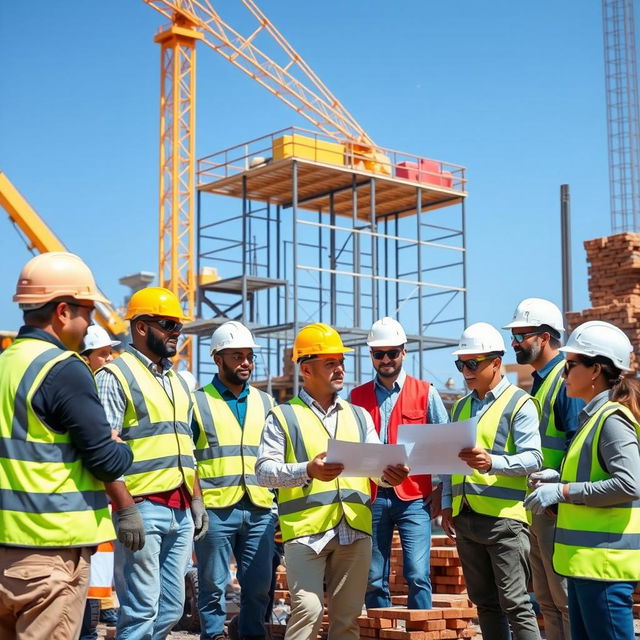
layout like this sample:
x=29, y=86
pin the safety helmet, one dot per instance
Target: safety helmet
x=598, y=338
x=317, y=339
x=479, y=337
x=533, y=312
x=96, y=338
x=232, y=335
x=386, y=332
x=52, y=275
x=154, y=301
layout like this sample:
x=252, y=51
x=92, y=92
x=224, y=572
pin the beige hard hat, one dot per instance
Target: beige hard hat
x=52, y=275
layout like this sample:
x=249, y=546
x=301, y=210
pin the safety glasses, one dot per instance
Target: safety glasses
x=170, y=326
x=521, y=337
x=392, y=354
x=472, y=364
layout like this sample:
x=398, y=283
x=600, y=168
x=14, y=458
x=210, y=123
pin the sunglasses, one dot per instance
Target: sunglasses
x=570, y=364
x=521, y=337
x=472, y=364
x=392, y=354
x=170, y=326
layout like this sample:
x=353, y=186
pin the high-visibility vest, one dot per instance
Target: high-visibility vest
x=226, y=451
x=101, y=574
x=554, y=441
x=410, y=408
x=485, y=493
x=600, y=543
x=156, y=427
x=319, y=506
x=48, y=498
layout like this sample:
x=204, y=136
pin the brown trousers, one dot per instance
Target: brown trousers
x=42, y=592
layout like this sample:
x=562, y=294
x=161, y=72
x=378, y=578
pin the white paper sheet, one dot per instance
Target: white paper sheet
x=434, y=448
x=364, y=459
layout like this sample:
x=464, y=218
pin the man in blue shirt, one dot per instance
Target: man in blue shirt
x=536, y=329
x=228, y=419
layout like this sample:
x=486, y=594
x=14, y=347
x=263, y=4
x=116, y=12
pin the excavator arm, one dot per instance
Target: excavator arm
x=40, y=238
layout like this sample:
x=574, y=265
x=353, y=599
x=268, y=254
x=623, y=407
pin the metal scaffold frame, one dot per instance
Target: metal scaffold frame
x=342, y=244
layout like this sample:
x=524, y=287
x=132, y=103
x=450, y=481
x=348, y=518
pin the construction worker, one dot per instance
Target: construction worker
x=56, y=454
x=150, y=406
x=394, y=398
x=325, y=520
x=483, y=511
x=536, y=330
x=228, y=419
x=96, y=351
x=597, y=539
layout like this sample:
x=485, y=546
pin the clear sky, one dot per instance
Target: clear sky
x=514, y=91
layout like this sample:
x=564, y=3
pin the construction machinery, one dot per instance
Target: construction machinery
x=40, y=238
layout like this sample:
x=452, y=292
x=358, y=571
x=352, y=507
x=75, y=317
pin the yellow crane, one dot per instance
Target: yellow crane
x=291, y=80
x=41, y=239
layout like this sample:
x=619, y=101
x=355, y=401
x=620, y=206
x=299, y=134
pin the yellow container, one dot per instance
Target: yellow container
x=297, y=146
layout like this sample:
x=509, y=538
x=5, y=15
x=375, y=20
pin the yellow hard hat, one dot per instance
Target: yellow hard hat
x=154, y=301
x=52, y=275
x=316, y=339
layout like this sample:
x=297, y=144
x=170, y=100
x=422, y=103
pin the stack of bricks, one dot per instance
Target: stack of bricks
x=614, y=286
x=636, y=602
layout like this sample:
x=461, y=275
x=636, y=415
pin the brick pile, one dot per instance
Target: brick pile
x=636, y=602
x=614, y=286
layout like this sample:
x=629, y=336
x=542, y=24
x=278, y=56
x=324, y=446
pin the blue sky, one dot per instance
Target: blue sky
x=514, y=91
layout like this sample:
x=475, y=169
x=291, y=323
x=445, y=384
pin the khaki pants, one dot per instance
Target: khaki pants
x=549, y=587
x=42, y=592
x=344, y=570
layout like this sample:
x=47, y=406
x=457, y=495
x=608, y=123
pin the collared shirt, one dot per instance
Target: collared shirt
x=565, y=409
x=526, y=439
x=618, y=454
x=67, y=402
x=237, y=404
x=112, y=394
x=272, y=471
x=387, y=398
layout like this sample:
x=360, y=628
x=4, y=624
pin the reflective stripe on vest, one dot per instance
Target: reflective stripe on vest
x=47, y=497
x=156, y=427
x=599, y=543
x=319, y=506
x=226, y=452
x=554, y=441
x=488, y=494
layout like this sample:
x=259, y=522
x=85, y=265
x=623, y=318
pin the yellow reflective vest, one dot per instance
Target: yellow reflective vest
x=485, y=493
x=47, y=497
x=156, y=427
x=599, y=543
x=226, y=451
x=319, y=506
x=554, y=441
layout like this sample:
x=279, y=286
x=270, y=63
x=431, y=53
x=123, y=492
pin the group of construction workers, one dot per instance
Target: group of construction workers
x=132, y=454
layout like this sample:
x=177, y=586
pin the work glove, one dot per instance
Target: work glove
x=544, y=496
x=130, y=527
x=200, y=518
x=540, y=477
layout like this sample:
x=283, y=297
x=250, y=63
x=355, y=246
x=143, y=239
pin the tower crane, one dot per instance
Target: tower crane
x=291, y=80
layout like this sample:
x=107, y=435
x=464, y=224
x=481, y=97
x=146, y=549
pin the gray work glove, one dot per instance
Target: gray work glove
x=538, y=478
x=200, y=518
x=130, y=527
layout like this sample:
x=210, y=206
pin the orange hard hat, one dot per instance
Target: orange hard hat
x=52, y=275
x=154, y=301
x=317, y=339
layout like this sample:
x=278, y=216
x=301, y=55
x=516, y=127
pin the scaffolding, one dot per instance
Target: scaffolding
x=301, y=229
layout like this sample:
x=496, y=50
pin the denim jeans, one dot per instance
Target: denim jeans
x=248, y=532
x=150, y=582
x=413, y=520
x=601, y=610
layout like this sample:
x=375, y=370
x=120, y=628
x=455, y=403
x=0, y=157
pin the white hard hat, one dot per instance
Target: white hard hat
x=386, y=332
x=533, y=312
x=232, y=335
x=479, y=337
x=597, y=338
x=189, y=379
x=96, y=338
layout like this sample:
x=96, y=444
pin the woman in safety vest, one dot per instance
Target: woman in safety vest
x=597, y=538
